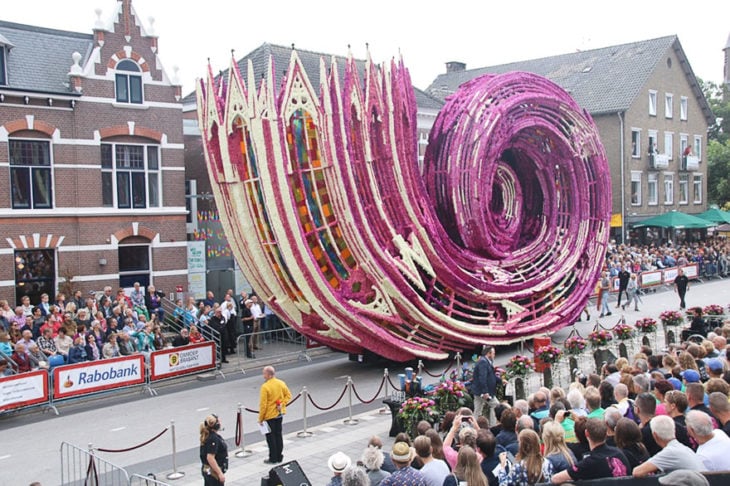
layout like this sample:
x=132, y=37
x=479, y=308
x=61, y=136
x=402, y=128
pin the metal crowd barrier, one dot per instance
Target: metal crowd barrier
x=272, y=346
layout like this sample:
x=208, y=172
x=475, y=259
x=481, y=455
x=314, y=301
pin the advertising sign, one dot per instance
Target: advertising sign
x=691, y=271
x=94, y=376
x=23, y=390
x=196, y=269
x=649, y=279
x=670, y=274
x=183, y=360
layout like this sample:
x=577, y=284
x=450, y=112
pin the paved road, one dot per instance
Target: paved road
x=32, y=439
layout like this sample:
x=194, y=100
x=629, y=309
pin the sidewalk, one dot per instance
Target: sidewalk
x=311, y=453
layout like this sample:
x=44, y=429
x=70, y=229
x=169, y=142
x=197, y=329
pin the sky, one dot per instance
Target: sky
x=427, y=33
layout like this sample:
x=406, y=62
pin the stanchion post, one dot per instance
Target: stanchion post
x=175, y=474
x=384, y=409
x=242, y=452
x=304, y=433
x=350, y=420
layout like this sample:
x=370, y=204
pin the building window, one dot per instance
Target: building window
x=683, y=143
x=134, y=265
x=683, y=108
x=668, y=105
x=683, y=189
x=652, y=192
x=128, y=82
x=30, y=174
x=35, y=274
x=697, y=188
x=191, y=205
x=130, y=176
x=635, y=143
x=636, y=188
x=653, y=146
x=3, y=72
x=698, y=147
x=652, y=103
x=668, y=188
x=668, y=144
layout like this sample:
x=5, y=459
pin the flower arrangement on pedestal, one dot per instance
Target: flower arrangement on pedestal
x=713, y=310
x=600, y=338
x=671, y=318
x=623, y=331
x=415, y=409
x=519, y=366
x=646, y=325
x=549, y=354
x=449, y=395
x=575, y=345
x=501, y=382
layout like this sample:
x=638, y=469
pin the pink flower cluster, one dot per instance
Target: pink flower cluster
x=623, y=331
x=671, y=318
x=575, y=345
x=647, y=324
x=599, y=337
x=549, y=354
x=713, y=310
x=519, y=366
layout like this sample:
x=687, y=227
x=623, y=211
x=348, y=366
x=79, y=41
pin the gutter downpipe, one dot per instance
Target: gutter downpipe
x=623, y=175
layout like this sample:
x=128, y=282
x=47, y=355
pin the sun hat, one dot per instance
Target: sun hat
x=338, y=462
x=684, y=477
x=401, y=452
x=691, y=376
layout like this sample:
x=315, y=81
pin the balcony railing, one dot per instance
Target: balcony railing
x=658, y=161
x=690, y=162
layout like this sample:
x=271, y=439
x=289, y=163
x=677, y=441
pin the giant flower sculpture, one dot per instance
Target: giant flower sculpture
x=497, y=238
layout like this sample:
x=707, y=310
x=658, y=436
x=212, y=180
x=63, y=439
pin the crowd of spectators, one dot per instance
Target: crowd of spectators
x=48, y=333
x=656, y=413
x=712, y=256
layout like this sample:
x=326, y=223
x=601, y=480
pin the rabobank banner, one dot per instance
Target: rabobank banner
x=23, y=390
x=179, y=361
x=95, y=376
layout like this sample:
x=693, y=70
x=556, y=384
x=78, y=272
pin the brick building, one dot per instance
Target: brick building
x=649, y=110
x=91, y=160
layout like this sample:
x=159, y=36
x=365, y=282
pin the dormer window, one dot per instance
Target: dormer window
x=129, y=82
x=3, y=75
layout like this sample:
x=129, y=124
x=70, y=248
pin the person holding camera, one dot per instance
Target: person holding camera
x=484, y=386
x=213, y=452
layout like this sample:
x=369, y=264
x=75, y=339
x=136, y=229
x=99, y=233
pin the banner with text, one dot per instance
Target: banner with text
x=23, y=390
x=182, y=360
x=95, y=376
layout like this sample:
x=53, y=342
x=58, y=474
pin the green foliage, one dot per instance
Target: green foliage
x=718, y=146
x=718, y=172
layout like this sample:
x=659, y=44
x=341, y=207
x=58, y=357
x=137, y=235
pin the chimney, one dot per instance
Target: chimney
x=455, y=67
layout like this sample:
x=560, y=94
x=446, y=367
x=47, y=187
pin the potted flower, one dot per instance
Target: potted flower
x=623, y=331
x=599, y=338
x=549, y=354
x=671, y=318
x=450, y=395
x=575, y=345
x=519, y=366
x=415, y=409
x=646, y=325
x=713, y=310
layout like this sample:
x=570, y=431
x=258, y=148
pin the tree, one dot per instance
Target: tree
x=718, y=144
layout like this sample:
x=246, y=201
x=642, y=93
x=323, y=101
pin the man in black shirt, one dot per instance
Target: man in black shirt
x=623, y=283
x=602, y=462
x=681, y=285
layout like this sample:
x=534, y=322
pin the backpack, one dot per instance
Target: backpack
x=630, y=413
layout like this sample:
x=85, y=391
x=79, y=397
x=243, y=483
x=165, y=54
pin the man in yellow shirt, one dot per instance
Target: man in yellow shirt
x=274, y=396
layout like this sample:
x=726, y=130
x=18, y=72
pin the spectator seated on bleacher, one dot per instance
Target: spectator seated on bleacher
x=182, y=338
